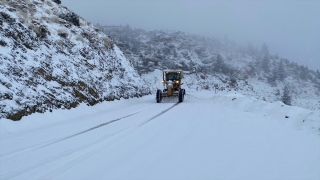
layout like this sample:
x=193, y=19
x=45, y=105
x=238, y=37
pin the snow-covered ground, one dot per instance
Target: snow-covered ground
x=209, y=136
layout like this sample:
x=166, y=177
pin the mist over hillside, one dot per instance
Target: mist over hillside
x=94, y=102
x=51, y=58
x=252, y=70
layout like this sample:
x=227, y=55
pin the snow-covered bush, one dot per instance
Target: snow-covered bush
x=71, y=17
x=57, y=1
x=2, y=43
x=54, y=19
x=108, y=43
x=62, y=33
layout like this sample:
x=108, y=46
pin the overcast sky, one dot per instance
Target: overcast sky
x=290, y=28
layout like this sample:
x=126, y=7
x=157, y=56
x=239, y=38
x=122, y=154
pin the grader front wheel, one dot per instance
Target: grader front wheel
x=158, y=96
x=181, y=95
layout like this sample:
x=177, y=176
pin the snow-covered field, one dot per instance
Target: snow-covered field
x=209, y=136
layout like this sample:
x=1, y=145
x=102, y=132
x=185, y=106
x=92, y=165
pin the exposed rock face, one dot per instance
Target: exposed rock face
x=47, y=62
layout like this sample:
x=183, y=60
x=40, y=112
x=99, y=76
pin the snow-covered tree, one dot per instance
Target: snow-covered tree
x=272, y=79
x=303, y=73
x=286, y=97
x=265, y=64
x=219, y=64
x=318, y=74
x=174, y=52
x=281, y=74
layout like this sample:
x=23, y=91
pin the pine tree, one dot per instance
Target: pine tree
x=257, y=65
x=272, y=79
x=174, y=51
x=303, y=73
x=281, y=72
x=286, y=98
x=219, y=64
x=265, y=64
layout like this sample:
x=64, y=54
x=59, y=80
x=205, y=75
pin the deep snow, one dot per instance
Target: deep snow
x=209, y=136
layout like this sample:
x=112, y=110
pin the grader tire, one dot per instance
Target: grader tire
x=181, y=95
x=158, y=96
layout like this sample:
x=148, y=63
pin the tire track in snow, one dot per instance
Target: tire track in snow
x=161, y=113
x=68, y=152
x=45, y=144
x=55, y=157
x=71, y=163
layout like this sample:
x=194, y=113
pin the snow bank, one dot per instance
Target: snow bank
x=300, y=118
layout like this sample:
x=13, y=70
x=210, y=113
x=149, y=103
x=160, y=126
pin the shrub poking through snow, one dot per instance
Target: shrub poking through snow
x=41, y=31
x=62, y=33
x=2, y=43
x=71, y=17
x=57, y=1
x=108, y=43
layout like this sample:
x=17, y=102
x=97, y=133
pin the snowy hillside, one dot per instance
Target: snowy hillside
x=208, y=136
x=250, y=70
x=51, y=58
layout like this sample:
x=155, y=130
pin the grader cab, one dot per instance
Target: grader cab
x=171, y=80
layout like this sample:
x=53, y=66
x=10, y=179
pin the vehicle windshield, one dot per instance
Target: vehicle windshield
x=172, y=76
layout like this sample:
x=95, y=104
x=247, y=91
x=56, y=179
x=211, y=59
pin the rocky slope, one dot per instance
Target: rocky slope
x=51, y=58
x=209, y=61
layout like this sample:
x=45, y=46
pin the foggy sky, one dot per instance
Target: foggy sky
x=289, y=28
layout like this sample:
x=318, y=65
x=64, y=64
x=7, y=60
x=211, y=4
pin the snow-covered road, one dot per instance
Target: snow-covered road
x=206, y=137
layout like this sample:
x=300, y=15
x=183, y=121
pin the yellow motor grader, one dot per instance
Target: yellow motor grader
x=171, y=80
